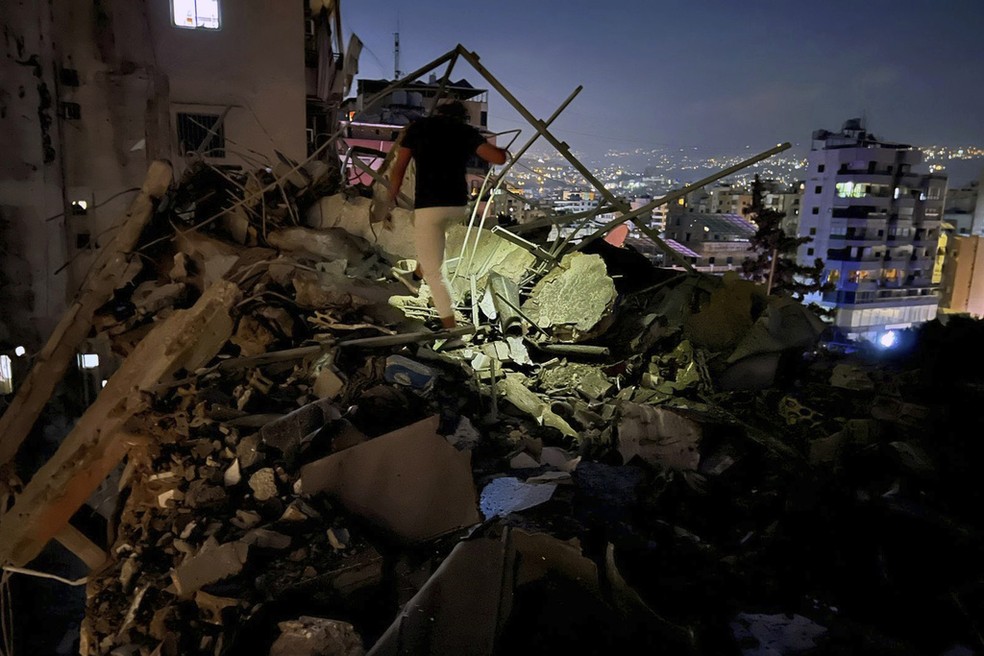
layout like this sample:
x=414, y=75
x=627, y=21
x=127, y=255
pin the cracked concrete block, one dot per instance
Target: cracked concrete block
x=210, y=565
x=317, y=636
x=212, y=606
x=330, y=244
x=264, y=484
x=212, y=258
x=352, y=214
x=574, y=301
x=287, y=432
x=247, y=451
x=151, y=297
x=515, y=388
x=659, y=435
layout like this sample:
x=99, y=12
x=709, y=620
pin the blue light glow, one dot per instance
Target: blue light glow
x=889, y=339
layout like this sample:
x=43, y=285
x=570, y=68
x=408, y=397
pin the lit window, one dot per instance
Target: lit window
x=88, y=360
x=195, y=14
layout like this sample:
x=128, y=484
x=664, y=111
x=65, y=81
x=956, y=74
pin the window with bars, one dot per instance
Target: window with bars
x=203, y=131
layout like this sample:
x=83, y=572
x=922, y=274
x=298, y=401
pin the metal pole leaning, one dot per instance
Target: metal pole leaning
x=532, y=140
x=680, y=193
x=541, y=127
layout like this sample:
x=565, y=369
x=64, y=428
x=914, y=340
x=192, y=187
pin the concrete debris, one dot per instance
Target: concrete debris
x=317, y=636
x=659, y=435
x=211, y=564
x=573, y=301
x=296, y=439
x=409, y=482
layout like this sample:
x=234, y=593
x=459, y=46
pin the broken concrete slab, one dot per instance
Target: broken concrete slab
x=110, y=268
x=573, y=302
x=352, y=214
x=328, y=244
x=287, y=432
x=659, y=435
x=211, y=564
x=410, y=482
x=516, y=391
x=186, y=340
x=317, y=636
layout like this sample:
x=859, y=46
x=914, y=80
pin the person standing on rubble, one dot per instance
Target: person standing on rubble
x=440, y=146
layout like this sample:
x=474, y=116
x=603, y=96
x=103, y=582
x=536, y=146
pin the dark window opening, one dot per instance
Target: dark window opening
x=820, y=168
x=201, y=131
x=82, y=239
x=815, y=210
x=70, y=111
x=69, y=77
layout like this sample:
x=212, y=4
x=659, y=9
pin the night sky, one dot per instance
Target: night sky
x=708, y=74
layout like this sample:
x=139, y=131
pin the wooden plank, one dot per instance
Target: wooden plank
x=98, y=288
x=187, y=340
x=79, y=544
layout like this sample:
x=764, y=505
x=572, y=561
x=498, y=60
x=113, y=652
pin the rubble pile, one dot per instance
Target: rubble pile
x=605, y=455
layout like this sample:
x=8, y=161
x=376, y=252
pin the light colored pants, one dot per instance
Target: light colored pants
x=429, y=227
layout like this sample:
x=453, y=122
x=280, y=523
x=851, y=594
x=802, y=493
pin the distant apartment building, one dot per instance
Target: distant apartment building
x=962, y=289
x=713, y=243
x=964, y=209
x=655, y=219
x=782, y=198
x=580, y=202
x=729, y=198
x=875, y=222
x=369, y=130
x=92, y=92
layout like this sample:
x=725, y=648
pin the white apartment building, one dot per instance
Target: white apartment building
x=875, y=222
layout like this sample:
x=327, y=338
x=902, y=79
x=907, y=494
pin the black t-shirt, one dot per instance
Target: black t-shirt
x=441, y=147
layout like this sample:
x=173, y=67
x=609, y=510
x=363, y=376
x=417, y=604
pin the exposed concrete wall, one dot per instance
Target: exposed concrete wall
x=134, y=72
x=254, y=63
x=32, y=297
x=106, y=43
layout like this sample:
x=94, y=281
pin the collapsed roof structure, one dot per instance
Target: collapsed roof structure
x=606, y=454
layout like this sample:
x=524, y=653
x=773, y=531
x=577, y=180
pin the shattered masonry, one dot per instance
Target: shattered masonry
x=608, y=454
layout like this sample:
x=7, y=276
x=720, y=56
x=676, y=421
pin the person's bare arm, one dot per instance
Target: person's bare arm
x=400, y=164
x=491, y=154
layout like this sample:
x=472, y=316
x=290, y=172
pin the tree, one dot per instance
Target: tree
x=774, y=262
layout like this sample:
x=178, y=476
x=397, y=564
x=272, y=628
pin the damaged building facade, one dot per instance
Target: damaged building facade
x=94, y=92
x=604, y=454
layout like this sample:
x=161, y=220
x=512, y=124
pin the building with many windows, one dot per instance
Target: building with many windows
x=713, y=243
x=875, y=222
